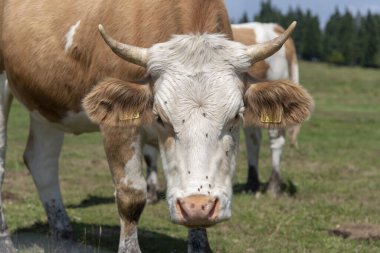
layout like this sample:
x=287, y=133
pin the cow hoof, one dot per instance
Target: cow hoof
x=252, y=187
x=6, y=245
x=63, y=235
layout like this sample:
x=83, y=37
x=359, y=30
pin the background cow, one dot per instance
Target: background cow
x=54, y=59
x=281, y=65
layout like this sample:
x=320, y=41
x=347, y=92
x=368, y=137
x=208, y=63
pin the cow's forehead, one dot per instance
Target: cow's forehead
x=197, y=75
x=198, y=98
x=191, y=54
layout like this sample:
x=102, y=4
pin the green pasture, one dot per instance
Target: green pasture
x=333, y=179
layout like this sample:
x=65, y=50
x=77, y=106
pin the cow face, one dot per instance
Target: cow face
x=198, y=108
x=197, y=100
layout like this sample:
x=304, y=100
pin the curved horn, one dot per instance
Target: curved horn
x=261, y=51
x=136, y=55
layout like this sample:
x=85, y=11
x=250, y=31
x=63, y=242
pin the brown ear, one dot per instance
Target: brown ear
x=277, y=104
x=114, y=102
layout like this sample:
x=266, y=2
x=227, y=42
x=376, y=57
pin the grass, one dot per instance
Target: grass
x=335, y=174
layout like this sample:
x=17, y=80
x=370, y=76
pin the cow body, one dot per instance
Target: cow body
x=54, y=59
x=281, y=65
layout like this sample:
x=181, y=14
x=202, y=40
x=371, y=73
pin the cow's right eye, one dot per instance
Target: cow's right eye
x=159, y=120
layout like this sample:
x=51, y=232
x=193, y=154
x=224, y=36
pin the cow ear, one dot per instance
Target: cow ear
x=277, y=104
x=114, y=102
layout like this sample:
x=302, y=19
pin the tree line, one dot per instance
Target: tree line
x=345, y=40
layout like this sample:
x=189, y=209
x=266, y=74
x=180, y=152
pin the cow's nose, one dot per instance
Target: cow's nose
x=198, y=210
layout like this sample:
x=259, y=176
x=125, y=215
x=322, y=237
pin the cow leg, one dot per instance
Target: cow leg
x=151, y=156
x=293, y=135
x=41, y=157
x=277, y=142
x=198, y=241
x=124, y=153
x=6, y=97
x=253, y=141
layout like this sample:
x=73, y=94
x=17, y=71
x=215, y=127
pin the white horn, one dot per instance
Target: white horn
x=136, y=55
x=261, y=51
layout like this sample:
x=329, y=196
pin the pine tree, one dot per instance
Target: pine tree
x=331, y=40
x=347, y=36
x=244, y=18
x=268, y=13
x=311, y=49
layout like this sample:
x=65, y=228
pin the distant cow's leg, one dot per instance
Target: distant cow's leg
x=253, y=141
x=277, y=142
x=41, y=156
x=198, y=241
x=124, y=153
x=6, y=245
x=151, y=156
x=293, y=135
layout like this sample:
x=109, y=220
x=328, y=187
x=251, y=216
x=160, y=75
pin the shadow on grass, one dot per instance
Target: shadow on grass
x=96, y=238
x=287, y=187
x=92, y=200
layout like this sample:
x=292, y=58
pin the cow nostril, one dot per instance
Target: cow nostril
x=192, y=205
x=211, y=214
x=180, y=205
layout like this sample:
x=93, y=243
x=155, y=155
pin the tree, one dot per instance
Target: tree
x=244, y=18
x=331, y=51
x=311, y=41
x=268, y=13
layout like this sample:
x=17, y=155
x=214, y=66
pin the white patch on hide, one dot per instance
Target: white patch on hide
x=133, y=173
x=70, y=35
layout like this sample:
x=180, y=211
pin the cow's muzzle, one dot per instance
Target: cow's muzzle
x=197, y=211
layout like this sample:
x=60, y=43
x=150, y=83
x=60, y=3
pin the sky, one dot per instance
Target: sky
x=323, y=8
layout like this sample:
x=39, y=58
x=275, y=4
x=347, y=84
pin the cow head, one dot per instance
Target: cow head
x=197, y=100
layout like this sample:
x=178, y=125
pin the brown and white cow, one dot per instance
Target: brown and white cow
x=195, y=98
x=281, y=65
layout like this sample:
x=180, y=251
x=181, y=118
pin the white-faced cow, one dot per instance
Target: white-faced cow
x=195, y=98
x=279, y=66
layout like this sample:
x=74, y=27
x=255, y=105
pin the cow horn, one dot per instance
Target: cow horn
x=136, y=55
x=261, y=51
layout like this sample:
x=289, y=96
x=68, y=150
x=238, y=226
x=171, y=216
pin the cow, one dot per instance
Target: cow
x=191, y=88
x=281, y=65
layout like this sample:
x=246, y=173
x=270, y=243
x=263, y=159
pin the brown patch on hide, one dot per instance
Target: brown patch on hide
x=114, y=102
x=130, y=203
x=169, y=142
x=205, y=17
x=118, y=144
x=272, y=97
x=247, y=36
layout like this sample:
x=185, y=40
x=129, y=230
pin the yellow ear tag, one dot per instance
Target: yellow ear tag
x=135, y=115
x=273, y=117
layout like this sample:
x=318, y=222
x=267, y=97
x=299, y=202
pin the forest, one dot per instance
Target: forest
x=347, y=38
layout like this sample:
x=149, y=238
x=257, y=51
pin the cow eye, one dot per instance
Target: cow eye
x=159, y=120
